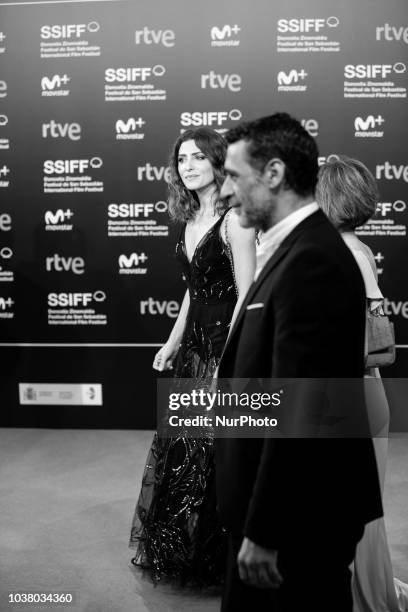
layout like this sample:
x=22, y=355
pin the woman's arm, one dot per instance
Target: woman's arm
x=164, y=357
x=242, y=241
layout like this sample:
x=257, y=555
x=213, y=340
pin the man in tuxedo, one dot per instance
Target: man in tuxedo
x=294, y=508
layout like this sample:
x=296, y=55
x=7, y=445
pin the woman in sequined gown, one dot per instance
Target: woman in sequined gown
x=176, y=531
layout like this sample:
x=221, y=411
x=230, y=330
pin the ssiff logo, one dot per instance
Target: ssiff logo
x=55, y=85
x=6, y=253
x=373, y=71
x=130, y=129
x=225, y=36
x=367, y=128
x=6, y=275
x=135, y=210
x=383, y=208
x=133, y=263
x=71, y=166
x=134, y=74
x=67, y=31
x=306, y=25
x=4, y=142
x=326, y=159
x=214, y=119
x=75, y=299
x=289, y=81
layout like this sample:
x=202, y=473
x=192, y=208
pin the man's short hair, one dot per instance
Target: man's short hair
x=281, y=136
x=347, y=192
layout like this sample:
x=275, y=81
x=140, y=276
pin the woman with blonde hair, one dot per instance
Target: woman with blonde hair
x=347, y=192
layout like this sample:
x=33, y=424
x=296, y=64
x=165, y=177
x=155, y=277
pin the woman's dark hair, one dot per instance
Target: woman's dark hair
x=183, y=203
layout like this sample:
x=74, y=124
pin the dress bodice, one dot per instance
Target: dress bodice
x=208, y=275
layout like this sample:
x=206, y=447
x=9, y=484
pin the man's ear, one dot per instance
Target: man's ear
x=274, y=172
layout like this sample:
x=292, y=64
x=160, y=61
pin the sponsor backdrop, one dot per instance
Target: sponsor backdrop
x=92, y=96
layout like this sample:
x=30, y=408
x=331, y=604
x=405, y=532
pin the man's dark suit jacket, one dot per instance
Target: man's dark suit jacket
x=312, y=324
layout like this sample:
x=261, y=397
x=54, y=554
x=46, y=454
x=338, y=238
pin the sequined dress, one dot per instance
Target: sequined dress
x=176, y=530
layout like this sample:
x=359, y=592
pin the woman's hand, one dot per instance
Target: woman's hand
x=163, y=359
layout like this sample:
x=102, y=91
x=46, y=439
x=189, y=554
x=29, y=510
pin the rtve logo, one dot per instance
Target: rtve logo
x=209, y=118
x=294, y=76
x=132, y=261
x=75, y=299
x=60, y=216
x=306, y=25
x=3, y=89
x=225, y=36
x=61, y=130
x=134, y=211
x=369, y=123
x=58, y=263
x=71, y=166
x=5, y=222
x=221, y=81
x=389, y=32
x=383, y=208
x=72, y=30
x=153, y=173
x=311, y=126
x=156, y=307
x=372, y=71
x=131, y=75
x=390, y=172
x=157, y=37
x=396, y=308
x=6, y=303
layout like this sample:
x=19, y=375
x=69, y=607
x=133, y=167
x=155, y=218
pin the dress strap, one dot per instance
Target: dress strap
x=371, y=285
x=229, y=250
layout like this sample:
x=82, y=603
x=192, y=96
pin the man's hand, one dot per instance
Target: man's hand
x=257, y=566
